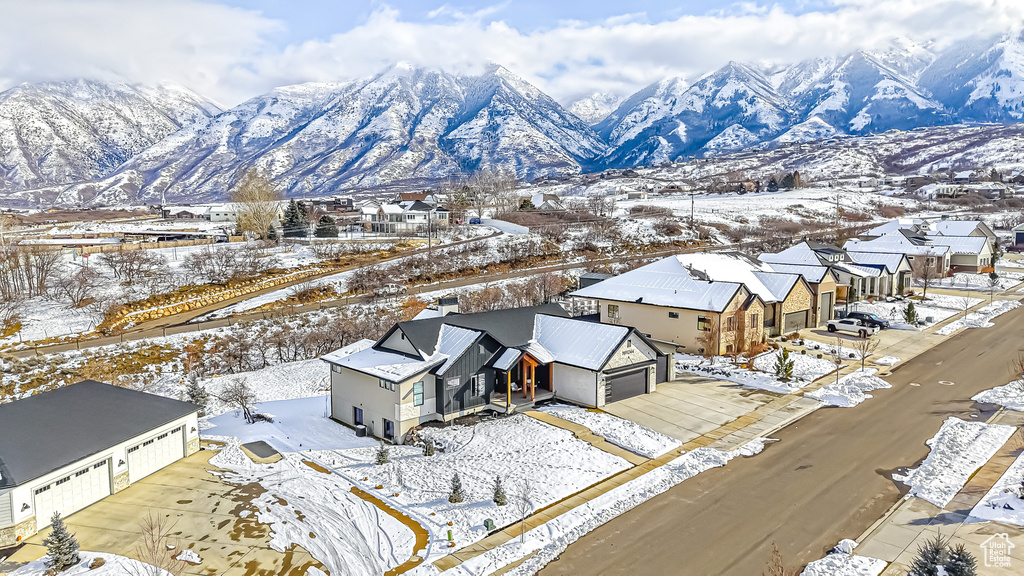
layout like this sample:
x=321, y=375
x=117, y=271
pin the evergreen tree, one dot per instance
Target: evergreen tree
x=428, y=447
x=294, y=224
x=931, y=556
x=961, y=562
x=326, y=227
x=61, y=546
x=456, y=495
x=773, y=185
x=272, y=234
x=784, y=366
x=910, y=313
x=499, y=493
x=527, y=205
x=382, y=455
x=788, y=182
x=197, y=395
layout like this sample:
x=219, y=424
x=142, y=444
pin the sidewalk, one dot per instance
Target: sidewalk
x=896, y=537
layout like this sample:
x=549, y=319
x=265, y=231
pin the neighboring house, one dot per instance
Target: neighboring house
x=426, y=197
x=972, y=243
x=855, y=275
x=543, y=201
x=788, y=298
x=909, y=244
x=334, y=204
x=445, y=367
x=186, y=212
x=70, y=447
x=412, y=216
x=667, y=301
x=1018, y=235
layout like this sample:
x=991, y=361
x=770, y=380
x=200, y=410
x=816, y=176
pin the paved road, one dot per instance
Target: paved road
x=827, y=478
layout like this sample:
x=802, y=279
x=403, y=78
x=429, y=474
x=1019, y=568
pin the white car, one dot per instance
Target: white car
x=853, y=326
x=390, y=290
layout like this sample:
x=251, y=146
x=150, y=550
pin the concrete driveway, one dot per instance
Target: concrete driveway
x=690, y=406
x=205, y=512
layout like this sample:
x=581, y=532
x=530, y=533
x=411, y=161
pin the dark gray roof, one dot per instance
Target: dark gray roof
x=48, y=431
x=512, y=327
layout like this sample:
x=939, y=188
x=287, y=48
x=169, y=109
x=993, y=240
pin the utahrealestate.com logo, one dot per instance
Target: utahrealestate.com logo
x=997, y=551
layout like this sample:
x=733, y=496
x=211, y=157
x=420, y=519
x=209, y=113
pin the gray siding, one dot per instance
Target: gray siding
x=472, y=362
x=6, y=510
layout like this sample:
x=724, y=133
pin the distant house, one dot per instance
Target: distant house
x=543, y=201
x=1018, y=235
x=972, y=243
x=426, y=196
x=187, y=212
x=854, y=275
x=445, y=367
x=908, y=243
x=408, y=217
x=671, y=302
x=912, y=183
x=334, y=204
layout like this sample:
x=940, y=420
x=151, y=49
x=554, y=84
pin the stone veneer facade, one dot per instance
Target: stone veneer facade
x=13, y=534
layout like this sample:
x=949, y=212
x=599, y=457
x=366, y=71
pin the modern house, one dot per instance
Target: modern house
x=856, y=275
x=410, y=217
x=671, y=302
x=67, y=448
x=971, y=243
x=445, y=367
x=904, y=241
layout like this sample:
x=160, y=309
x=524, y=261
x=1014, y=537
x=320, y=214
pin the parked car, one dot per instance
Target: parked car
x=869, y=319
x=852, y=326
x=474, y=220
x=390, y=289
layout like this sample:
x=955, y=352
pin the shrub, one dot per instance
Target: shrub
x=456, y=494
x=784, y=366
x=382, y=455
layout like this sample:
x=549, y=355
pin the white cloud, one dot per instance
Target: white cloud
x=225, y=52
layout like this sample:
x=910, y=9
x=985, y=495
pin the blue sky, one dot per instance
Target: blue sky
x=231, y=50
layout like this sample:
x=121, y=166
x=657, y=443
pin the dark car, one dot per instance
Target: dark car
x=474, y=220
x=869, y=319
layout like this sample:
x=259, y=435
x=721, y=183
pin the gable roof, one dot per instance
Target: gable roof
x=567, y=343
x=666, y=282
x=801, y=253
x=972, y=245
x=50, y=430
x=891, y=262
x=812, y=273
x=734, y=267
x=895, y=244
x=512, y=327
x=957, y=227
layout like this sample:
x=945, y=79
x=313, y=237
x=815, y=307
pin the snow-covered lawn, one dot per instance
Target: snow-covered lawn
x=957, y=450
x=826, y=350
x=841, y=561
x=1010, y=395
x=299, y=424
x=548, y=540
x=938, y=307
x=518, y=449
x=618, y=431
x=189, y=556
x=850, y=390
x=298, y=379
x=887, y=360
x=978, y=282
x=113, y=565
x=1003, y=502
x=981, y=318
x=806, y=368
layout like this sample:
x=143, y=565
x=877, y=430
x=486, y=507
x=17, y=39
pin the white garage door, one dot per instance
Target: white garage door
x=155, y=453
x=71, y=493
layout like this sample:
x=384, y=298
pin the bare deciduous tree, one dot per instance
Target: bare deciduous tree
x=709, y=341
x=77, y=286
x=523, y=505
x=925, y=270
x=155, y=550
x=238, y=394
x=257, y=202
x=866, y=348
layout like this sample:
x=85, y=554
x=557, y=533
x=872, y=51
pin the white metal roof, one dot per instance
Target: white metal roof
x=666, y=282
x=569, y=341
x=955, y=227
x=973, y=245
x=507, y=359
x=392, y=366
x=890, y=261
x=812, y=273
x=894, y=244
x=732, y=267
x=357, y=346
x=798, y=254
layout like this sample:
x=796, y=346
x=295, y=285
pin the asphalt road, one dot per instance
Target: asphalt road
x=828, y=478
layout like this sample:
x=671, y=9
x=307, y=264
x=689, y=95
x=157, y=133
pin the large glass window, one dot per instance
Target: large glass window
x=703, y=323
x=417, y=394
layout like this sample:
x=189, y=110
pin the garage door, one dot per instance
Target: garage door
x=71, y=493
x=795, y=321
x=826, y=308
x=622, y=386
x=155, y=453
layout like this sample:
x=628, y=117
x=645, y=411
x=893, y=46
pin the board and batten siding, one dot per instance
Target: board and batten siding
x=6, y=508
x=460, y=398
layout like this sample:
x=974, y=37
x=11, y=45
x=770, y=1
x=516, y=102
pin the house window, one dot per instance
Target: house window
x=479, y=384
x=483, y=351
x=389, y=428
x=357, y=415
x=629, y=343
x=386, y=385
x=703, y=323
x=336, y=369
x=673, y=315
x=613, y=310
x=730, y=323
x=754, y=318
x=417, y=394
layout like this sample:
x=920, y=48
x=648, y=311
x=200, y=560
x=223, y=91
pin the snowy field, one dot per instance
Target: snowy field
x=623, y=433
x=1004, y=502
x=841, y=561
x=957, y=451
x=113, y=565
x=299, y=424
x=548, y=540
x=806, y=368
x=1009, y=395
x=982, y=318
x=851, y=389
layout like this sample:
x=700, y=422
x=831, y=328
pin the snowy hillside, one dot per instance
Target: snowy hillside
x=64, y=132
x=594, y=108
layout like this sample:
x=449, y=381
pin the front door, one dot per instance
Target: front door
x=357, y=415
x=389, y=429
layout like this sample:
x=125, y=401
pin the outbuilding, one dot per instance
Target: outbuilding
x=65, y=449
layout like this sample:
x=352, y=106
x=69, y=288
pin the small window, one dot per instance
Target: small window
x=162, y=436
x=81, y=472
x=629, y=343
x=673, y=315
x=417, y=394
x=479, y=384
x=613, y=310
x=483, y=351
x=98, y=465
x=43, y=489
x=147, y=442
x=133, y=449
x=754, y=319
x=336, y=369
x=62, y=480
x=730, y=323
x=703, y=323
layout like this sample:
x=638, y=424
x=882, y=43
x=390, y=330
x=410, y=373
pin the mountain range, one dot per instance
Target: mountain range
x=112, y=143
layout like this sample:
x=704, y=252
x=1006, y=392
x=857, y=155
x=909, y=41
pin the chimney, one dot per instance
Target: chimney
x=448, y=305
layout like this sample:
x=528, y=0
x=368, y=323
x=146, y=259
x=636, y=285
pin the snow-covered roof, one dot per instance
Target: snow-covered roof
x=973, y=245
x=798, y=254
x=955, y=227
x=452, y=342
x=666, y=282
x=779, y=283
x=394, y=367
x=734, y=267
x=427, y=313
x=812, y=273
x=894, y=244
x=567, y=343
x=357, y=346
x=855, y=270
x=507, y=359
x=894, y=225
x=891, y=262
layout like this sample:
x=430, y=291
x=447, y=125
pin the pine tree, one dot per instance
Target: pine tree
x=428, y=447
x=61, y=546
x=773, y=185
x=382, y=455
x=499, y=493
x=197, y=395
x=326, y=227
x=931, y=556
x=272, y=234
x=294, y=222
x=961, y=562
x=910, y=313
x=456, y=495
x=788, y=182
x=784, y=366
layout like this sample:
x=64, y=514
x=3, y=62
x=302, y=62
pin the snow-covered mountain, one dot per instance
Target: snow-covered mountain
x=595, y=107
x=406, y=125
x=62, y=132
